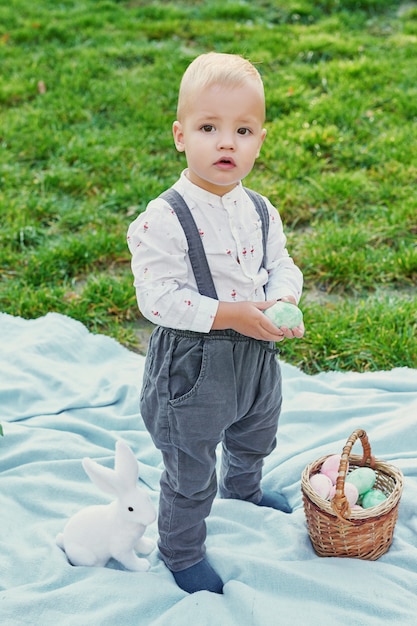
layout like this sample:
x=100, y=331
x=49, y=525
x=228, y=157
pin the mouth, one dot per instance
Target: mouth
x=225, y=163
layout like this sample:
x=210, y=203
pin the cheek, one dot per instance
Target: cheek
x=252, y=152
x=196, y=157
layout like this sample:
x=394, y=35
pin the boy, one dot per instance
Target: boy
x=211, y=373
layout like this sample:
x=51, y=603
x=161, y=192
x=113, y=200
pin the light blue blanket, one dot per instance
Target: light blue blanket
x=66, y=393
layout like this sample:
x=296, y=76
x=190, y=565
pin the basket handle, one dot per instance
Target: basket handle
x=340, y=503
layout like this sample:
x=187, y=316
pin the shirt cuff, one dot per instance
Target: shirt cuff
x=206, y=313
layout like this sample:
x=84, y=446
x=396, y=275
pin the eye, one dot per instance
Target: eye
x=207, y=128
x=243, y=131
x=130, y=508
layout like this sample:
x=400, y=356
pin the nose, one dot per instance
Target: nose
x=226, y=141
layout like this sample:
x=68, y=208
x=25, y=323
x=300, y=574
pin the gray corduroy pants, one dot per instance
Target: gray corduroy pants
x=200, y=390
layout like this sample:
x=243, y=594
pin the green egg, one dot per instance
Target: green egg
x=373, y=497
x=284, y=314
x=363, y=478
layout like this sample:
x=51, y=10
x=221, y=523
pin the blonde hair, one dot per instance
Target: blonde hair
x=226, y=70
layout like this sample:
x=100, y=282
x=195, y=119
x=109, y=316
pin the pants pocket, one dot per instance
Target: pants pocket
x=200, y=414
x=187, y=368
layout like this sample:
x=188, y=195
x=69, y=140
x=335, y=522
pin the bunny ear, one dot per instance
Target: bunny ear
x=126, y=466
x=103, y=477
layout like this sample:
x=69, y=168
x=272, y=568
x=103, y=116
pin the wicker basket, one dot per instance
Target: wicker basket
x=335, y=529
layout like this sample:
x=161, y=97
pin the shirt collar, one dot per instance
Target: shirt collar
x=199, y=194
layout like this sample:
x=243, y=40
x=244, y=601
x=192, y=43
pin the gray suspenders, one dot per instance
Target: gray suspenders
x=196, y=252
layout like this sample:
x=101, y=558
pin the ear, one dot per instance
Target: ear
x=263, y=135
x=103, y=477
x=178, y=133
x=126, y=466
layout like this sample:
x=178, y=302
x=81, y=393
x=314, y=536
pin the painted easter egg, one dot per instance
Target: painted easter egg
x=284, y=314
x=363, y=478
x=351, y=493
x=321, y=485
x=330, y=467
x=373, y=497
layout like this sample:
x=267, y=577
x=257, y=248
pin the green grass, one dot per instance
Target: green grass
x=87, y=98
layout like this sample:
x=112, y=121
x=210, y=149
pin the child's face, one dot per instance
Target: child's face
x=221, y=135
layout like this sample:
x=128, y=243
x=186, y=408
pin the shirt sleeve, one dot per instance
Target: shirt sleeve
x=163, y=277
x=284, y=277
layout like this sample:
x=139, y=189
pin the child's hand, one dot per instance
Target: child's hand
x=248, y=319
x=296, y=331
x=291, y=333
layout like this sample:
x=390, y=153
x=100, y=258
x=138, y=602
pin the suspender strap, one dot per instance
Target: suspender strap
x=263, y=213
x=196, y=252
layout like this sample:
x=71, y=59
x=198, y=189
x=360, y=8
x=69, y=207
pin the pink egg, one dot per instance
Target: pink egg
x=331, y=463
x=351, y=493
x=330, y=467
x=332, y=474
x=321, y=485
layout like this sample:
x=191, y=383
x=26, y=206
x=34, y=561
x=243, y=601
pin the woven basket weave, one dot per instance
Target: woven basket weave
x=335, y=529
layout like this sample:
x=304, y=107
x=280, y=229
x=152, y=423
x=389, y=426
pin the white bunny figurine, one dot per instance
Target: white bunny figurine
x=100, y=532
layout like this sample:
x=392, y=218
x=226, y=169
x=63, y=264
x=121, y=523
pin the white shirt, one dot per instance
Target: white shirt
x=231, y=232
